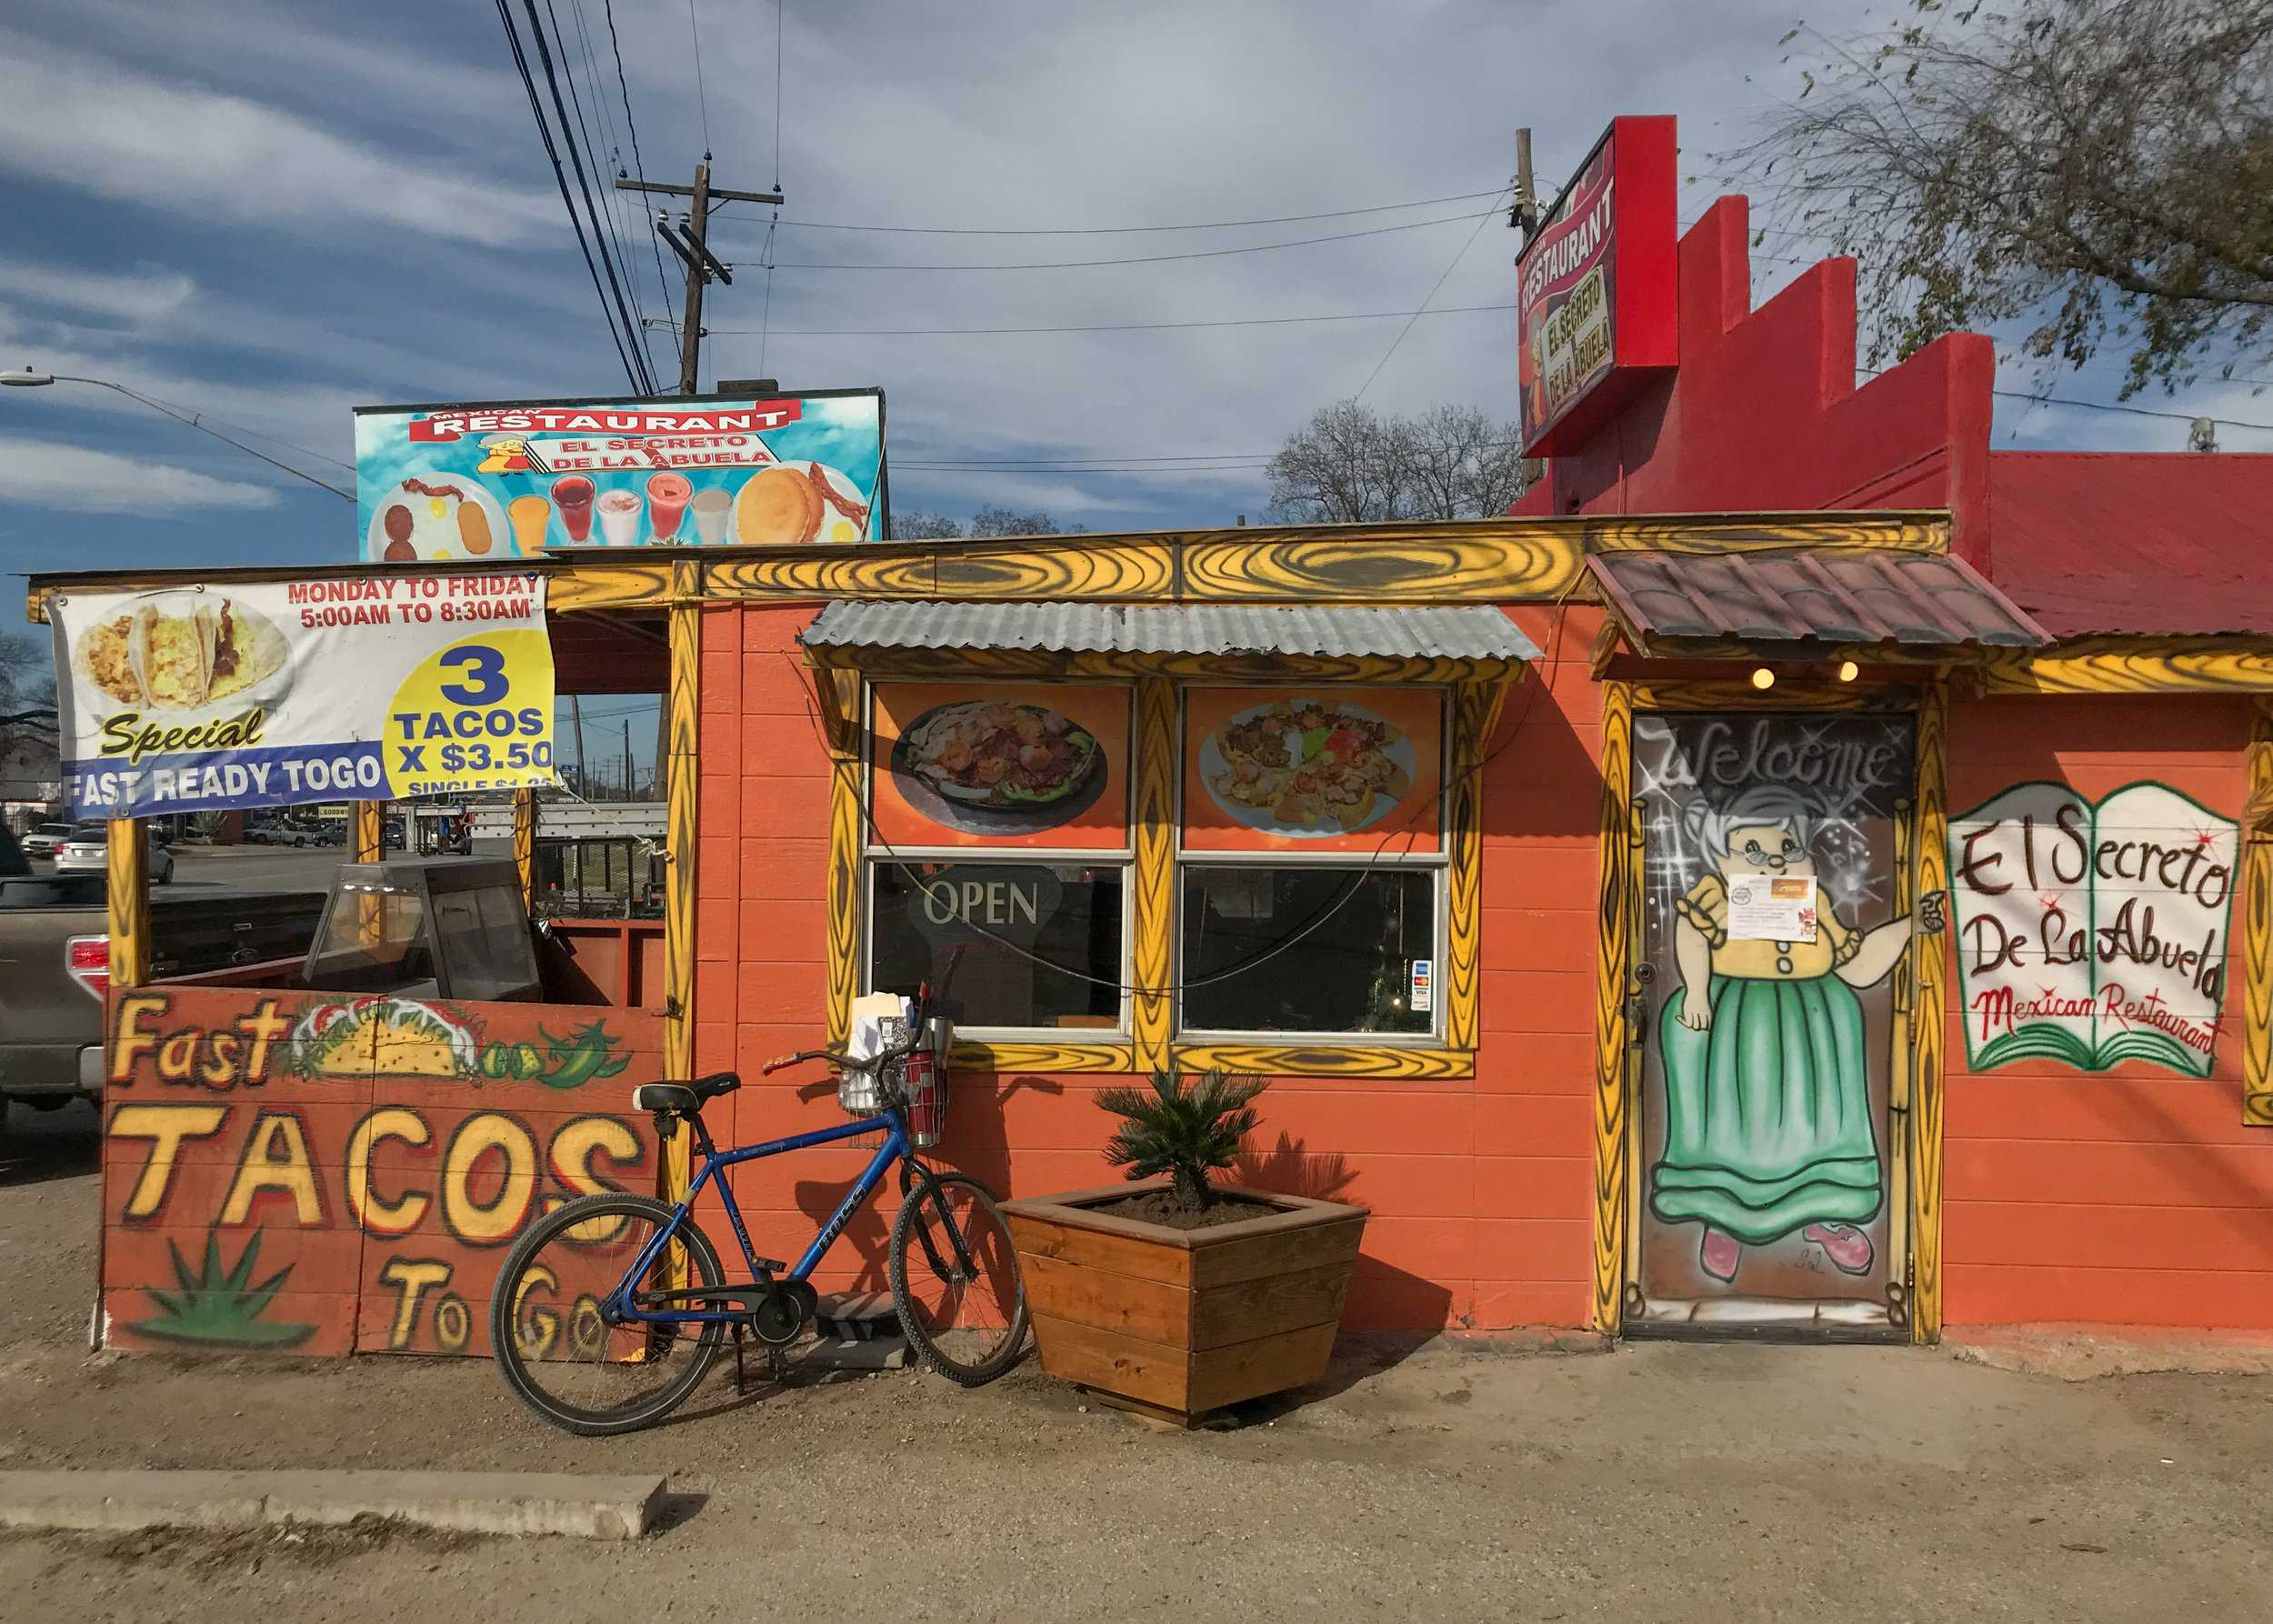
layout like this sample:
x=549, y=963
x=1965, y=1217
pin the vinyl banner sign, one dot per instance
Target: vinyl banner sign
x=2092, y=934
x=1596, y=311
x=203, y=698
x=510, y=480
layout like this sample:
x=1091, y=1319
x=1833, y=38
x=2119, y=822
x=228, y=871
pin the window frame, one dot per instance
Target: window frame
x=1121, y=858
x=1436, y=863
x=1474, y=697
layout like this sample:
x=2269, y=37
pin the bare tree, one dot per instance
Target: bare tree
x=993, y=520
x=1350, y=465
x=2102, y=169
x=916, y=525
x=27, y=688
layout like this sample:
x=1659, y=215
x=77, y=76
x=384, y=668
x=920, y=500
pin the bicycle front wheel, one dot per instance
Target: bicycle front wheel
x=956, y=1280
x=553, y=1340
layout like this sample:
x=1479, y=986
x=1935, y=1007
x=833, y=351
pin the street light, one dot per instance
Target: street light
x=28, y=379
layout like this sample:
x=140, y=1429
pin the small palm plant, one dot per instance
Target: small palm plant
x=1184, y=1132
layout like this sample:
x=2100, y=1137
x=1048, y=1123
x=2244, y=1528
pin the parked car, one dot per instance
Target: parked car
x=91, y=854
x=52, y=940
x=45, y=840
x=282, y=834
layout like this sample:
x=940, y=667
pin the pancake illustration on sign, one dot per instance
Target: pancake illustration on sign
x=791, y=504
x=991, y=766
x=182, y=651
x=1307, y=768
x=437, y=517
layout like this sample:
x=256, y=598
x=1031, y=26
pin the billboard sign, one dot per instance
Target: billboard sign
x=510, y=479
x=205, y=699
x=1596, y=296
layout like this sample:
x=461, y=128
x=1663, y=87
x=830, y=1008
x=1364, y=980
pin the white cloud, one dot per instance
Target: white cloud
x=74, y=479
x=79, y=120
x=138, y=296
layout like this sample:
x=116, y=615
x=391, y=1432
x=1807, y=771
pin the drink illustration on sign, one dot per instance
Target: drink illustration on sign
x=2093, y=934
x=1759, y=875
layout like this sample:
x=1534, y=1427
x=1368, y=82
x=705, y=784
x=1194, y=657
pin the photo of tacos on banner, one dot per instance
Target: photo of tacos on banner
x=794, y=503
x=180, y=651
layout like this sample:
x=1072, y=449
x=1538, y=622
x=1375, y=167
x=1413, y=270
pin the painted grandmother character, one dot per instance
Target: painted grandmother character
x=1768, y=1125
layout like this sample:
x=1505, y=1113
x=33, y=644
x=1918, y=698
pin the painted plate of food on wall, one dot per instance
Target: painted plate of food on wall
x=991, y=766
x=1307, y=768
x=439, y=516
x=181, y=651
x=792, y=504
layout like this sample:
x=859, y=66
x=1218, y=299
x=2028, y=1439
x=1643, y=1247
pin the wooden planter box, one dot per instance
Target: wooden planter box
x=1174, y=1323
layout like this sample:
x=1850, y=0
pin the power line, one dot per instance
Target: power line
x=702, y=97
x=614, y=231
x=1336, y=214
x=599, y=240
x=196, y=420
x=619, y=207
x=639, y=167
x=2100, y=405
x=1431, y=299
x=1062, y=265
x=1123, y=327
x=537, y=110
x=1182, y=456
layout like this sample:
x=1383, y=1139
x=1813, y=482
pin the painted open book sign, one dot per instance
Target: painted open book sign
x=2093, y=934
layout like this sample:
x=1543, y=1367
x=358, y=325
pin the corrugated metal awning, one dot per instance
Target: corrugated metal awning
x=1475, y=633
x=1840, y=596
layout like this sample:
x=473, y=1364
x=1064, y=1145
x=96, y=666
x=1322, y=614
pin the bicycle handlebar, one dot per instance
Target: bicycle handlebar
x=838, y=1058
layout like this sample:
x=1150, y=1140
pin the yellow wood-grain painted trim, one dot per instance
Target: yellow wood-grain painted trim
x=1152, y=912
x=126, y=867
x=524, y=846
x=2134, y=665
x=2257, y=926
x=1416, y=1064
x=1614, y=966
x=1475, y=708
x=973, y=1055
x=367, y=838
x=682, y=792
x=844, y=882
x=1931, y=868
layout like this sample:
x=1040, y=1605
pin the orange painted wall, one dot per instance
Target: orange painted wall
x=2133, y=1195
x=1481, y=1191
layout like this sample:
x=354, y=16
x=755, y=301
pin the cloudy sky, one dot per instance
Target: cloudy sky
x=269, y=212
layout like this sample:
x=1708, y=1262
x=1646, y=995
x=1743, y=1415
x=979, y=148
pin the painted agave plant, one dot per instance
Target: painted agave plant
x=218, y=1306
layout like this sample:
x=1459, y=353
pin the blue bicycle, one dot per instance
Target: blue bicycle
x=608, y=1312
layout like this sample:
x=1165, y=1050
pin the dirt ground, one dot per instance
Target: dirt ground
x=1464, y=1478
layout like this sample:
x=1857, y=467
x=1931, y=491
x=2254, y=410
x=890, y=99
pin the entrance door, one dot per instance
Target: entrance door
x=1774, y=925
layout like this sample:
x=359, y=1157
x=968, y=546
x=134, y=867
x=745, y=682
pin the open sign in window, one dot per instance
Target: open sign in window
x=1041, y=943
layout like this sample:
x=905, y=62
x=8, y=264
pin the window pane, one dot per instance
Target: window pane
x=1351, y=970
x=1067, y=915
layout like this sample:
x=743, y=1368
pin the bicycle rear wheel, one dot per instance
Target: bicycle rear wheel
x=962, y=1306
x=554, y=1344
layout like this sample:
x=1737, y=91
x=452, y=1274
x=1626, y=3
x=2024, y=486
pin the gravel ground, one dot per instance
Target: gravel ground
x=1470, y=1478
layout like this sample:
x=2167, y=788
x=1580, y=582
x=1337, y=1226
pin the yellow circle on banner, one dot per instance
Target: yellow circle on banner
x=477, y=714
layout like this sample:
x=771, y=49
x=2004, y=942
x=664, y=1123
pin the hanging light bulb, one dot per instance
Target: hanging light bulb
x=1849, y=670
x=1762, y=678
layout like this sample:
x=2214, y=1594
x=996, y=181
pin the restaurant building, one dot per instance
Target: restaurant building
x=1802, y=869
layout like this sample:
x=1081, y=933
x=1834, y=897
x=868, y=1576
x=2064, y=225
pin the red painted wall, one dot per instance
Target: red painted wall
x=2133, y=1195
x=1481, y=1191
x=1764, y=412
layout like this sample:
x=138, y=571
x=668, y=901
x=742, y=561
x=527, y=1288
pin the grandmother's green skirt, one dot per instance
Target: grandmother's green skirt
x=1767, y=1111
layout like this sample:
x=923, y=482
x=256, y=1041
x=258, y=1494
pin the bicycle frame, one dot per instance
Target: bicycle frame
x=895, y=1145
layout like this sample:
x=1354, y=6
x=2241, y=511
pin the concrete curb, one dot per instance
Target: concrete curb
x=583, y=1507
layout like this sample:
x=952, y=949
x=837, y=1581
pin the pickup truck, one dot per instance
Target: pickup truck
x=55, y=964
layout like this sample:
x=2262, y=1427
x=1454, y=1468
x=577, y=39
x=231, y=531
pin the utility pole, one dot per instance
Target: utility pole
x=691, y=243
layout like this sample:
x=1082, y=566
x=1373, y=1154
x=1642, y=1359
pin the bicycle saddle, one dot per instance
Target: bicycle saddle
x=684, y=1097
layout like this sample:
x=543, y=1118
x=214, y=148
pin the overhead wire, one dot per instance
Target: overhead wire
x=639, y=167
x=537, y=110
x=1118, y=326
x=1333, y=214
x=702, y=97
x=1434, y=290
x=599, y=240
x=620, y=206
x=1063, y=264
